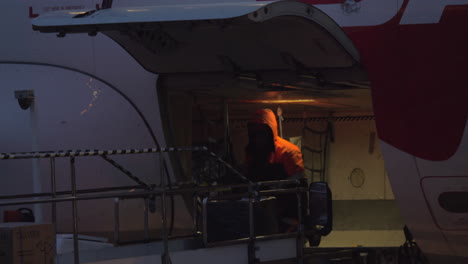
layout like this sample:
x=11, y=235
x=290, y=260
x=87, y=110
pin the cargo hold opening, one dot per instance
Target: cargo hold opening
x=213, y=111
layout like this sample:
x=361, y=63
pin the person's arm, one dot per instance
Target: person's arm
x=294, y=164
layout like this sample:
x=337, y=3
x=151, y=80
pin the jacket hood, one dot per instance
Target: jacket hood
x=267, y=117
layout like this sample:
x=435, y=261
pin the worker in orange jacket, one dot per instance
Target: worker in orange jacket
x=269, y=157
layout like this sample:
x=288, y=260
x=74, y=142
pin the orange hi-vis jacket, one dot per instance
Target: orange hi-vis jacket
x=286, y=153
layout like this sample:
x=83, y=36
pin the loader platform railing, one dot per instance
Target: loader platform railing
x=150, y=192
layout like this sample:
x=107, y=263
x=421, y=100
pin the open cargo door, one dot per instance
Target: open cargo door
x=217, y=38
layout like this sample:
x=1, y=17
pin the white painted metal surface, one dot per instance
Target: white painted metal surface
x=414, y=209
x=149, y=14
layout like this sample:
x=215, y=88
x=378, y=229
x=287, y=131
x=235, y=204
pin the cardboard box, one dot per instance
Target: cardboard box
x=27, y=243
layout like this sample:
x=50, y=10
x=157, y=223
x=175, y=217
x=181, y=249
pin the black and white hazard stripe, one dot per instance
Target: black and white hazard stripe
x=334, y=119
x=81, y=153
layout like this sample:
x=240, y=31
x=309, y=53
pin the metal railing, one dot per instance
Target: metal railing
x=149, y=192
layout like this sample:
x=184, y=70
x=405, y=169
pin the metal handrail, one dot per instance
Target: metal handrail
x=73, y=196
x=83, y=191
x=157, y=192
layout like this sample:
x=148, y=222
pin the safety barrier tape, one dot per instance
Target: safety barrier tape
x=80, y=153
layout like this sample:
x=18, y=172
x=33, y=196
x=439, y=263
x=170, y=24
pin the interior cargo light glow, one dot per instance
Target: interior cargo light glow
x=285, y=86
x=282, y=101
x=288, y=86
x=137, y=10
x=77, y=12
